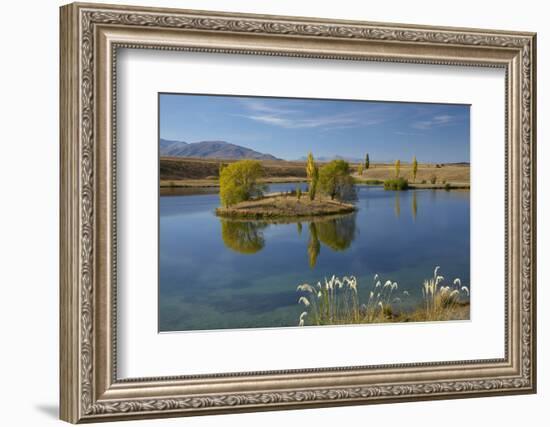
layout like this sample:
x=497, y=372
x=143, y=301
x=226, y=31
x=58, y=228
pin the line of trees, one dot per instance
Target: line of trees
x=240, y=181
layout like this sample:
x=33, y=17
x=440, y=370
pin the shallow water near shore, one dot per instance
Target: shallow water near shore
x=217, y=273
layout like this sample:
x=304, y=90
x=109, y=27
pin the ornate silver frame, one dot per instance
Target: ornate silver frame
x=90, y=36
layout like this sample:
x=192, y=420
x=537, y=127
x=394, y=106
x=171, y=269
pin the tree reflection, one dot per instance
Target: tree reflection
x=337, y=233
x=313, y=245
x=397, y=205
x=245, y=237
x=414, y=206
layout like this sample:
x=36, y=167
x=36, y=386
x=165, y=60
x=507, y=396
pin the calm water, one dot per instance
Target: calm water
x=217, y=274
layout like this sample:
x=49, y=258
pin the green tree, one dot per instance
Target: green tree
x=312, y=171
x=239, y=182
x=415, y=168
x=298, y=192
x=314, y=183
x=367, y=161
x=397, y=167
x=360, y=169
x=335, y=180
x=310, y=166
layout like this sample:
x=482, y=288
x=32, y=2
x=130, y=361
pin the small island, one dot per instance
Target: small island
x=285, y=206
x=330, y=191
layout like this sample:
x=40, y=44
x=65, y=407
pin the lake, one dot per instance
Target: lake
x=218, y=274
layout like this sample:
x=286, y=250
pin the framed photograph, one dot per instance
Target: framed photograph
x=266, y=212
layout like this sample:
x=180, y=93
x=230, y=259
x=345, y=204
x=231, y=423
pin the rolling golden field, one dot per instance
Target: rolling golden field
x=195, y=172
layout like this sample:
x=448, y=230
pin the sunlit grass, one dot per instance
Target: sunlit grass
x=336, y=301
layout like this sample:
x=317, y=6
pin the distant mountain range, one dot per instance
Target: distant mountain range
x=209, y=149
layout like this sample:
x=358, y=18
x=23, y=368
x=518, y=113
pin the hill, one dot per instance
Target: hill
x=209, y=150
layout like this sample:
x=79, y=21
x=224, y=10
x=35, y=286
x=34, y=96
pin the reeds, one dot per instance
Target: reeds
x=337, y=301
x=440, y=300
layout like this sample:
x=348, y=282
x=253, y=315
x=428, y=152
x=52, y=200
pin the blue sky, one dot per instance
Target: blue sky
x=289, y=128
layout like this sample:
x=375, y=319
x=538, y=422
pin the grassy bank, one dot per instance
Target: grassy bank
x=338, y=302
x=285, y=206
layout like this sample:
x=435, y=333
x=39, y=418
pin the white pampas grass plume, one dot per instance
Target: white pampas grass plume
x=305, y=288
x=302, y=316
x=466, y=290
x=304, y=301
x=457, y=282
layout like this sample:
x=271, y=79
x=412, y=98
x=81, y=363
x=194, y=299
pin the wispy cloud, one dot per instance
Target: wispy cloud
x=436, y=121
x=293, y=118
x=262, y=107
x=408, y=133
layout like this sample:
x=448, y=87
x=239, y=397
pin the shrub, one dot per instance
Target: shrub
x=396, y=184
x=423, y=181
x=239, y=182
x=374, y=182
x=433, y=179
x=447, y=186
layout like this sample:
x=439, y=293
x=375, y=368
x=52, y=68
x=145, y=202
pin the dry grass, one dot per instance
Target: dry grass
x=287, y=206
x=457, y=174
x=194, y=172
x=185, y=168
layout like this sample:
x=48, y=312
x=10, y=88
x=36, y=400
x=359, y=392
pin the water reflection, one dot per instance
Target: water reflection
x=336, y=233
x=397, y=205
x=245, y=237
x=238, y=290
x=414, y=207
x=313, y=246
